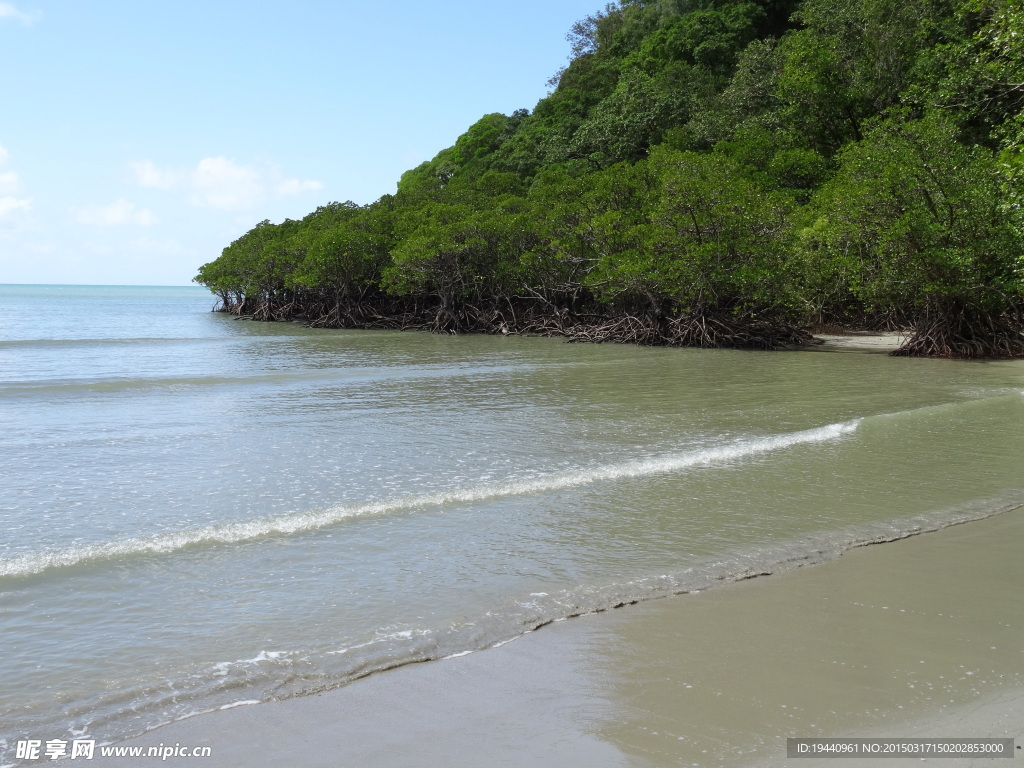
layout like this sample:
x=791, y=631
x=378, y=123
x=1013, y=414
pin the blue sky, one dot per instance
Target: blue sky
x=137, y=139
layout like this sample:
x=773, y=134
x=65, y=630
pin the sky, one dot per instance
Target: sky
x=138, y=139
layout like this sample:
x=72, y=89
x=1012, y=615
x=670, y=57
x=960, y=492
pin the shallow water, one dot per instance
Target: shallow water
x=200, y=511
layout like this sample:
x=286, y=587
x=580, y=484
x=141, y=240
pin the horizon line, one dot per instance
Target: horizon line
x=100, y=285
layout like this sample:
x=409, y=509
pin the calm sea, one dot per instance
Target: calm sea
x=198, y=511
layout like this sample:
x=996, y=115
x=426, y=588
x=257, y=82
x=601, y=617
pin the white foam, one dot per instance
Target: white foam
x=245, y=703
x=298, y=522
x=351, y=648
x=262, y=656
x=223, y=667
x=505, y=642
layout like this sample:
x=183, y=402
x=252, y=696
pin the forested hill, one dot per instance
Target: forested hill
x=704, y=173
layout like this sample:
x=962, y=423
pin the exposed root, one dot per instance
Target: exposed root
x=724, y=329
x=965, y=335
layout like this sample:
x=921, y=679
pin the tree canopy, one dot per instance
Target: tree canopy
x=704, y=172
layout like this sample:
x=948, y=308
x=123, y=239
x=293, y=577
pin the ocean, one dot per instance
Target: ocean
x=200, y=512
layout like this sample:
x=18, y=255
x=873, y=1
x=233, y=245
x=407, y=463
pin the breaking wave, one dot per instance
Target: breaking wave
x=299, y=522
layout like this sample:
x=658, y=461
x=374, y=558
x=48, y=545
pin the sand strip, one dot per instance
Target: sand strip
x=865, y=341
x=923, y=636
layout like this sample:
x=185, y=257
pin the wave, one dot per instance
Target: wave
x=519, y=617
x=105, y=341
x=76, y=387
x=398, y=646
x=340, y=376
x=299, y=522
x=291, y=673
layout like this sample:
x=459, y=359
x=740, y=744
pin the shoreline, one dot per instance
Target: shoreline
x=861, y=341
x=682, y=332
x=628, y=329
x=648, y=686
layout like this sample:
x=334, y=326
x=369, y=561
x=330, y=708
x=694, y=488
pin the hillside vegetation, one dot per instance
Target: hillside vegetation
x=718, y=173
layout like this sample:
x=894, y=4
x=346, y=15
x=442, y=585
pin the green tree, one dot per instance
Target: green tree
x=915, y=222
x=722, y=240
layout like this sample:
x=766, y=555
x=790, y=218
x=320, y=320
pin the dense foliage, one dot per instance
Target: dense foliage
x=704, y=172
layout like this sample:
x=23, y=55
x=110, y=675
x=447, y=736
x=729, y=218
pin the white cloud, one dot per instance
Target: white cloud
x=290, y=187
x=8, y=11
x=148, y=175
x=8, y=182
x=9, y=205
x=118, y=213
x=218, y=182
x=221, y=183
x=149, y=245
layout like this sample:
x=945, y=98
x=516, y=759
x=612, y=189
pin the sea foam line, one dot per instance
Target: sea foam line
x=298, y=522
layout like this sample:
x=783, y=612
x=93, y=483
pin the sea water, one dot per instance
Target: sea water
x=199, y=511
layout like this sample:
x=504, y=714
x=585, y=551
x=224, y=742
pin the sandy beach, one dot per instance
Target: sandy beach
x=916, y=637
x=860, y=341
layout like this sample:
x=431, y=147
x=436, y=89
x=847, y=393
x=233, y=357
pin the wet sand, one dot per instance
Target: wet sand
x=923, y=636
x=861, y=341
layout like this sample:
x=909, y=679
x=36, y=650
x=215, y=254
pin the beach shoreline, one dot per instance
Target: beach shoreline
x=713, y=678
x=860, y=341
